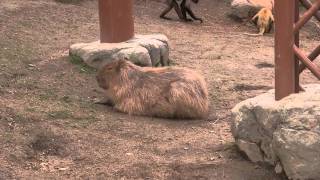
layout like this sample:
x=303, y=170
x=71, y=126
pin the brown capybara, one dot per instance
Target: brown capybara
x=168, y=92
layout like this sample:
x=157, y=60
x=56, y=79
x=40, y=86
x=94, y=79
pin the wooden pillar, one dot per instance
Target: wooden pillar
x=116, y=20
x=286, y=71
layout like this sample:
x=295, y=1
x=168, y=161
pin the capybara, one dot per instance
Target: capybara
x=168, y=92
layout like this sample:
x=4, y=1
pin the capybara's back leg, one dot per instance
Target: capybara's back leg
x=162, y=108
x=188, y=102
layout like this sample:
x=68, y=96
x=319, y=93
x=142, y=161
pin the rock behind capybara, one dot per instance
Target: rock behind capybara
x=168, y=92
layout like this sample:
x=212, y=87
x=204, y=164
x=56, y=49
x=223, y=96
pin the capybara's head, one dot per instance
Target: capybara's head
x=109, y=72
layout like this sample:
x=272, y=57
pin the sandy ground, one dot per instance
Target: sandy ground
x=50, y=127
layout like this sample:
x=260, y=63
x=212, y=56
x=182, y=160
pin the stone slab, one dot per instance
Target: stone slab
x=143, y=50
x=286, y=133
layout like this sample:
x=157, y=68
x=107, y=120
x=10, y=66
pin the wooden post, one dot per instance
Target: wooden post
x=286, y=71
x=297, y=43
x=116, y=20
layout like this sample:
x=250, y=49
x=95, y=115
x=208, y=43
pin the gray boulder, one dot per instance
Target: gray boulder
x=143, y=50
x=285, y=134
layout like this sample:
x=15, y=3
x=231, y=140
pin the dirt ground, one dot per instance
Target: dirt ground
x=50, y=127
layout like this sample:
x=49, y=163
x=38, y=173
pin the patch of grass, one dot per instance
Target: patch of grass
x=44, y=97
x=63, y=114
x=7, y=137
x=26, y=24
x=12, y=122
x=264, y=65
x=69, y=1
x=66, y=99
x=74, y=120
x=9, y=115
x=6, y=174
x=15, y=55
x=247, y=87
x=46, y=142
x=30, y=109
x=83, y=122
x=47, y=94
x=27, y=84
x=83, y=68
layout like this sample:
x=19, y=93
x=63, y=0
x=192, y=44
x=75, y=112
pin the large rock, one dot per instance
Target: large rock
x=283, y=133
x=244, y=9
x=143, y=50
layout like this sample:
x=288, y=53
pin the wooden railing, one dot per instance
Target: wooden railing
x=290, y=60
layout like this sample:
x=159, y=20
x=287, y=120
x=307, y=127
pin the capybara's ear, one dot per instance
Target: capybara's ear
x=121, y=63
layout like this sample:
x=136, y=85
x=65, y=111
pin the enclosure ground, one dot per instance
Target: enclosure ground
x=50, y=126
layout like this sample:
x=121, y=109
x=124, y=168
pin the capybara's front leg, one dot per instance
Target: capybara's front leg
x=105, y=101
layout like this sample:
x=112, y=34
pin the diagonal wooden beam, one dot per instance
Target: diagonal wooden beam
x=312, y=56
x=307, y=16
x=307, y=62
x=307, y=4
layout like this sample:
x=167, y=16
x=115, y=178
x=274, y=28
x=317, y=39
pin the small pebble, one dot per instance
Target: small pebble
x=63, y=169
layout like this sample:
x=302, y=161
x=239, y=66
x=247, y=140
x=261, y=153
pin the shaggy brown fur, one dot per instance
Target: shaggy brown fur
x=264, y=21
x=168, y=92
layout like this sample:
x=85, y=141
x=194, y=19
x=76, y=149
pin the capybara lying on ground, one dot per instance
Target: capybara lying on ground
x=168, y=92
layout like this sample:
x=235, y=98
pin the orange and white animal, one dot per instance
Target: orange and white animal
x=168, y=92
x=264, y=21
